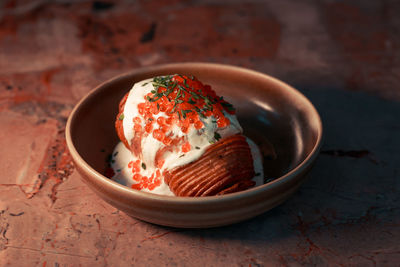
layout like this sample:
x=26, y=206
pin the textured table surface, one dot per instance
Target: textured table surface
x=343, y=55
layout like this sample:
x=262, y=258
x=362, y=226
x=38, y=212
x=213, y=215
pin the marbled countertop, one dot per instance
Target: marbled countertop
x=343, y=55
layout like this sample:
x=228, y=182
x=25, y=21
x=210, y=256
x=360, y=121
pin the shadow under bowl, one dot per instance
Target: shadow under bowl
x=270, y=111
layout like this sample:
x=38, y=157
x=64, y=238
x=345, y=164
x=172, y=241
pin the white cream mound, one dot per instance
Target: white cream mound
x=200, y=139
x=151, y=145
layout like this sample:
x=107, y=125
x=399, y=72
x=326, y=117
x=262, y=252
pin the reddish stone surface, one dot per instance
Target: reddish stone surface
x=342, y=55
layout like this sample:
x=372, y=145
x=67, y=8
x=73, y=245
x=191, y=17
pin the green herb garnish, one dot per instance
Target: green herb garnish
x=217, y=136
x=182, y=93
x=228, y=106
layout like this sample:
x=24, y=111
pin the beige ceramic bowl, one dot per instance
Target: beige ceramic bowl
x=269, y=110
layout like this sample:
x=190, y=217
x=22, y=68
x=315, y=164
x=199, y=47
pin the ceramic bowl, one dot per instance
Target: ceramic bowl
x=270, y=111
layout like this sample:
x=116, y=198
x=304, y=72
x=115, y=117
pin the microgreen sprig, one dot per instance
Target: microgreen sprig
x=169, y=84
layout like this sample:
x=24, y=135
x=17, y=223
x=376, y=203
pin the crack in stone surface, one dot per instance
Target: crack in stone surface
x=4, y=226
x=57, y=166
x=350, y=154
x=50, y=252
x=161, y=235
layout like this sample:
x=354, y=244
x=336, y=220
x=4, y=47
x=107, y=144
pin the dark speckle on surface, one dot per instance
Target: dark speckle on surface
x=98, y=6
x=350, y=153
x=149, y=35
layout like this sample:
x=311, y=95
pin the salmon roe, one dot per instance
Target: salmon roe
x=141, y=181
x=186, y=147
x=183, y=101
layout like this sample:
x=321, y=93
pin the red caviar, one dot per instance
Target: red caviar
x=137, y=120
x=158, y=134
x=142, y=181
x=148, y=128
x=183, y=101
x=198, y=125
x=186, y=147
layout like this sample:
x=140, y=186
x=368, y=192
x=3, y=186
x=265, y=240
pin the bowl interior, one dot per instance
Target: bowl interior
x=269, y=111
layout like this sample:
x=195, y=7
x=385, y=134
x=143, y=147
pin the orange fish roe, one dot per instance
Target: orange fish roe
x=158, y=134
x=134, y=165
x=137, y=177
x=186, y=147
x=137, y=120
x=142, y=181
x=167, y=140
x=148, y=128
x=183, y=101
x=198, y=125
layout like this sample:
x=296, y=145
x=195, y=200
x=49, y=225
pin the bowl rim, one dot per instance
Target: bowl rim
x=104, y=181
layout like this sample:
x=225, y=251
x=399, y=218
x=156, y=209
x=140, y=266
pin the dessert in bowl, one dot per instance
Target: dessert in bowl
x=282, y=123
